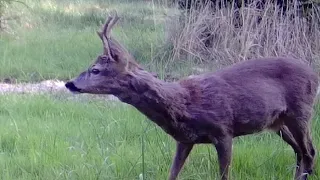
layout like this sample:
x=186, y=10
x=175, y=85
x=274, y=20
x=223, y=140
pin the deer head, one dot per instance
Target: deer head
x=109, y=70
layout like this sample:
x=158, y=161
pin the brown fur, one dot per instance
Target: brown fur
x=245, y=98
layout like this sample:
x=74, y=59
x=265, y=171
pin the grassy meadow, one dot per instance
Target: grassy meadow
x=58, y=137
x=51, y=137
x=57, y=39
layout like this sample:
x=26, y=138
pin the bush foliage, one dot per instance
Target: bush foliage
x=227, y=35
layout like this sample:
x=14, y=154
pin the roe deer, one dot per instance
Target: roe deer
x=245, y=98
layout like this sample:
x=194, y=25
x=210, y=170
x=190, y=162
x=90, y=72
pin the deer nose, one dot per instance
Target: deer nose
x=70, y=85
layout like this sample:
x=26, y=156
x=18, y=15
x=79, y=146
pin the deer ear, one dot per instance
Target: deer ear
x=118, y=58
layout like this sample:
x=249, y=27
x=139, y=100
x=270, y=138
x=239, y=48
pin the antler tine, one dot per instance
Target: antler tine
x=106, y=33
x=106, y=46
x=103, y=35
x=105, y=27
x=112, y=23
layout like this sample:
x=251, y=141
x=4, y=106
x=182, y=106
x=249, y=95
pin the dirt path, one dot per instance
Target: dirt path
x=49, y=86
x=44, y=87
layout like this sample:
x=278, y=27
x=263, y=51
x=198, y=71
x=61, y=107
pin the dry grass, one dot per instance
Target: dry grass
x=217, y=38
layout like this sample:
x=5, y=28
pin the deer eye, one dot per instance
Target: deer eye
x=95, y=71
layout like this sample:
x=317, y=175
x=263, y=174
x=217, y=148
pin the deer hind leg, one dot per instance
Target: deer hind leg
x=312, y=151
x=286, y=135
x=224, y=150
x=299, y=128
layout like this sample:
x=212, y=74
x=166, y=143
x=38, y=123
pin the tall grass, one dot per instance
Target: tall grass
x=224, y=36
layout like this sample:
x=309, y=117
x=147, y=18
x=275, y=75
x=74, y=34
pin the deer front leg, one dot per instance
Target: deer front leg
x=224, y=151
x=181, y=155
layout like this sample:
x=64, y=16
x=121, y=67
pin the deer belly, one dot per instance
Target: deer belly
x=257, y=123
x=183, y=132
x=244, y=129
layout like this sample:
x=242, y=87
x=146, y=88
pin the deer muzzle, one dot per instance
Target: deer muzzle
x=71, y=87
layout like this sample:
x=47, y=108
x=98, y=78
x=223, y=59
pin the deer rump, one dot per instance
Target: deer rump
x=245, y=98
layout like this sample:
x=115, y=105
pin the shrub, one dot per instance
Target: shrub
x=216, y=37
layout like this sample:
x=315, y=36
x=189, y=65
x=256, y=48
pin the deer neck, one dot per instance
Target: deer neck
x=160, y=101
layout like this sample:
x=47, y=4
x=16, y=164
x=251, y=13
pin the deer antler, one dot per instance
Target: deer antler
x=112, y=23
x=105, y=34
x=112, y=48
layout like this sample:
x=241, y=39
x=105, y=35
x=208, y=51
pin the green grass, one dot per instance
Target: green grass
x=57, y=39
x=51, y=137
